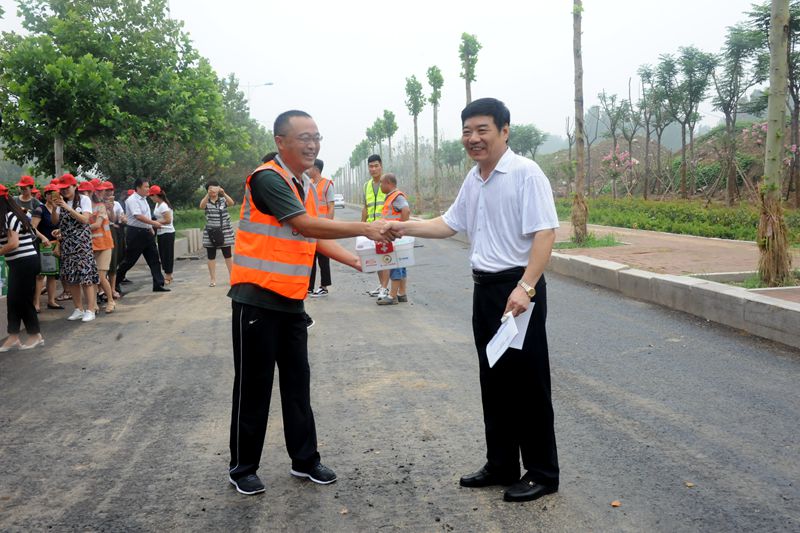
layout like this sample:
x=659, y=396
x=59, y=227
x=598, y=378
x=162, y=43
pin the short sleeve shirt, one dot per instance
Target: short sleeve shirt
x=501, y=214
x=271, y=195
x=399, y=203
x=137, y=205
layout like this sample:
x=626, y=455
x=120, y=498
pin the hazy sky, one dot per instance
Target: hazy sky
x=345, y=62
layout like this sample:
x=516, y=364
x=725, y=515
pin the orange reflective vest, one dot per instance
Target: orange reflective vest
x=389, y=212
x=101, y=236
x=322, y=187
x=269, y=253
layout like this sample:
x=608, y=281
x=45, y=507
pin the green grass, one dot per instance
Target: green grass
x=754, y=282
x=196, y=218
x=592, y=241
x=683, y=217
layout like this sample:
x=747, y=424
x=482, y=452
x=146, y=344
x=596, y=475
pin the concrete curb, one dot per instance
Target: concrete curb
x=760, y=315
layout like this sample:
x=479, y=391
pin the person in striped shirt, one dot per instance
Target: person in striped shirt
x=16, y=245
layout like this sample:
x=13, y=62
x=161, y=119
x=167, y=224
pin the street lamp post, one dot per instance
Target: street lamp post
x=250, y=86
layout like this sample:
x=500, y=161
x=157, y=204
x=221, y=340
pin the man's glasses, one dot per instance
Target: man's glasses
x=309, y=139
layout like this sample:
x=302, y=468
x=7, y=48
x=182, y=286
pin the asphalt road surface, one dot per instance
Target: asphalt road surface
x=122, y=424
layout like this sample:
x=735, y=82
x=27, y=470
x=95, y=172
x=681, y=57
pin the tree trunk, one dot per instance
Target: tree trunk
x=416, y=164
x=692, y=173
x=389, y=139
x=469, y=93
x=731, y=160
x=684, y=193
x=58, y=151
x=646, y=162
x=774, y=266
x=588, y=169
x=795, y=174
x=436, y=173
x=580, y=210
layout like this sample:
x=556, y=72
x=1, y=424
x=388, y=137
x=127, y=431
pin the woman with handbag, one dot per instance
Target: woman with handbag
x=16, y=245
x=45, y=220
x=218, y=232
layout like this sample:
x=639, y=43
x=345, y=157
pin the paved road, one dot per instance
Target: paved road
x=121, y=424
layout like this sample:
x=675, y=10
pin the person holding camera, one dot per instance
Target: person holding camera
x=218, y=232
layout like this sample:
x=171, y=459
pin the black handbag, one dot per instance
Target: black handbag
x=216, y=236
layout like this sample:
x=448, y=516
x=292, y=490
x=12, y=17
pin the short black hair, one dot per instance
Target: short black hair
x=269, y=157
x=319, y=164
x=491, y=107
x=375, y=157
x=138, y=182
x=212, y=183
x=282, y=122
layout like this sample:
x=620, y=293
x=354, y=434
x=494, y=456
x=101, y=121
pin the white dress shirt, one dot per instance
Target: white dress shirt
x=137, y=205
x=500, y=215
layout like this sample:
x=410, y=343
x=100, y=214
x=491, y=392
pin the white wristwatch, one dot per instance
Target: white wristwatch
x=527, y=288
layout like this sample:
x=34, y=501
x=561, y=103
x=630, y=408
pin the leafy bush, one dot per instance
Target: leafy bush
x=683, y=217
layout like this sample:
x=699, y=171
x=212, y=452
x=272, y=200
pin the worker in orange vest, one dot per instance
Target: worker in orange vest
x=274, y=249
x=325, y=209
x=395, y=207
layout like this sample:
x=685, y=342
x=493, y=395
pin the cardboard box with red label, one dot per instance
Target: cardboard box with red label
x=385, y=255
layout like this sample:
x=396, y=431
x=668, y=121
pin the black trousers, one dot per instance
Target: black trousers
x=141, y=241
x=166, y=251
x=517, y=408
x=22, y=274
x=324, y=271
x=261, y=339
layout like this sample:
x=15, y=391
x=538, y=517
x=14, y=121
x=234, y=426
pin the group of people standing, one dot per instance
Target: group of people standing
x=384, y=201
x=76, y=232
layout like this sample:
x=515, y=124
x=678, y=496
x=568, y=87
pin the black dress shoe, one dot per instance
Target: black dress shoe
x=526, y=490
x=161, y=289
x=484, y=478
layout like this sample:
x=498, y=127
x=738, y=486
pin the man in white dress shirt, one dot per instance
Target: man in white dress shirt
x=141, y=236
x=506, y=207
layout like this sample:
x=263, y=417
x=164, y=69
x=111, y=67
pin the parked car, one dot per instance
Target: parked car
x=338, y=200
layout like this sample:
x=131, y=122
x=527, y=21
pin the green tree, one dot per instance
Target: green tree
x=379, y=133
x=468, y=54
x=526, y=139
x=736, y=73
x=360, y=153
x=759, y=20
x=775, y=263
x=435, y=80
x=415, y=101
x=452, y=153
x=389, y=128
x=50, y=100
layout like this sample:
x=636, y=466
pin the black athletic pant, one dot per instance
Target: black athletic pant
x=22, y=274
x=517, y=408
x=261, y=339
x=141, y=241
x=166, y=251
x=324, y=271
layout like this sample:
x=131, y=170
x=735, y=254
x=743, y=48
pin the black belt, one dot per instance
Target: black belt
x=504, y=276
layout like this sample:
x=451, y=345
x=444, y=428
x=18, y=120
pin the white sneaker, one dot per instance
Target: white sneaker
x=383, y=292
x=322, y=291
x=88, y=316
x=77, y=314
x=375, y=292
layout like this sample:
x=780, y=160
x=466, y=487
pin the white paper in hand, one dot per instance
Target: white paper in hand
x=522, y=321
x=502, y=339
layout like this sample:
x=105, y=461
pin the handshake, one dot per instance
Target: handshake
x=385, y=230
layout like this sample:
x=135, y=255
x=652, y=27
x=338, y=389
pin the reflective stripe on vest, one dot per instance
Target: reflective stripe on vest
x=101, y=236
x=269, y=253
x=374, y=202
x=389, y=212
x=322, y=187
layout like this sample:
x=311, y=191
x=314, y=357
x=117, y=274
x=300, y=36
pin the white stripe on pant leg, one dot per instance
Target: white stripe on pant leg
x=239, y=404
